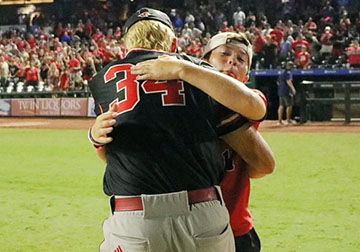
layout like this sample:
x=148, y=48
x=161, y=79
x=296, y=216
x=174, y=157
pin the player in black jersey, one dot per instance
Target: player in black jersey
x=164, y=162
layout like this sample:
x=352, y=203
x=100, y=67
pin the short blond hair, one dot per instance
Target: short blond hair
x=149, y=34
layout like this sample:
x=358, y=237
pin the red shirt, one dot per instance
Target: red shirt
x=236, y=189
x=64, y=81
x=32, y=42
x=304, y=58
x=278, y=35
x=88, y=29
x=32, y=74
x=259, y=44
x=297, y=44
x=74, y=63
x=108, y=56
x=354, y=55
x=21, y=45
x=311, y=25
x=326, y=39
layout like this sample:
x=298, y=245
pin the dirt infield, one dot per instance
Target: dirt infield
x=85, y=123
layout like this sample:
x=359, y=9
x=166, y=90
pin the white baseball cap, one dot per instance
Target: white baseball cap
x=233, y=38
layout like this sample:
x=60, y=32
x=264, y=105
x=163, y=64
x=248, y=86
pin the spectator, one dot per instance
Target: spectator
x=258, y=47
x=285, y=48
x=44, y=69
x=328, y=10
x=194, y=49
x=13, y=70
x=250, y=19
x=32, y=76
x=270, y=50
x=65, y=79
x=326, y=42
x=298, y=43
x=75, y=69
x=4, y=73
x=338, y=43
x=239, y=17
x=189, y=18
x=66, y=38
x=53, y=77
x=353, y=53
x=310, y=25
x=278, y=32
x=178, y=23
x=302, y=59
x=89, y=69
x=88, y=28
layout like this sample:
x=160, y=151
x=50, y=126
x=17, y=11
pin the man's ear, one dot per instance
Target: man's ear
x=246, y=78
x=174, y=45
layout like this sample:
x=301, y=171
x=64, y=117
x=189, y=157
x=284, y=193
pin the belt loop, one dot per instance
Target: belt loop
x=112, y=204
x=219, y=193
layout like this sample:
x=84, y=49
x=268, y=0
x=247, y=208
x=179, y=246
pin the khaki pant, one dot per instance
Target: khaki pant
x=169, y=224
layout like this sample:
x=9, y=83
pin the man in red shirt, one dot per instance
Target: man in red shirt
x=32, y=76
x=75, y=69
x=298, y=43
x=353, y=53
x=326, y=41
x=303, y=58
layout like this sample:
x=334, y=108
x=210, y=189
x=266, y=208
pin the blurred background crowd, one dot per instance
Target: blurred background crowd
x=60, y=46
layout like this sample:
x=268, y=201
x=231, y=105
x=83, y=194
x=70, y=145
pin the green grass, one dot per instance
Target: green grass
x=51, y=195
x=312, y=201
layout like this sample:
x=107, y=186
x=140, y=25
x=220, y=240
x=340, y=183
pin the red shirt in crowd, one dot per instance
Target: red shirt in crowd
x=32, y=42
x=326, y=39
x=278, y=35
x=303, y=59
x=297, y=44
x=354, y=55
x=21, y=45
x=32, y=74
x=259, y=44
x=64, y=81
x=88, y=29
x=74, y=63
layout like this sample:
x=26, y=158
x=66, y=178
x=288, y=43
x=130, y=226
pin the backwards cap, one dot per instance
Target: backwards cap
x=147, y=14
x=229, y=38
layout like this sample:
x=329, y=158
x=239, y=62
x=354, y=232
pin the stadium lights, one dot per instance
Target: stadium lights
x=13, y=2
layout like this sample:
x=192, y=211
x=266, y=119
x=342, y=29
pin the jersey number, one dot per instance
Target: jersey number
x=171, y=91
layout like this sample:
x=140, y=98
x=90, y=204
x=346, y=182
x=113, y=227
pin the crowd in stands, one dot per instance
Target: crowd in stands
x=53, y=55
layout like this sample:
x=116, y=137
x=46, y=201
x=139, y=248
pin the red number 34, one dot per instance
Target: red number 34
x=171, y=91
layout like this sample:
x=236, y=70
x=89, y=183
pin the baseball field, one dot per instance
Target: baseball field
x=51, y=195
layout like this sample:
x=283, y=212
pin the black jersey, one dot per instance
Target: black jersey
x=166, y=134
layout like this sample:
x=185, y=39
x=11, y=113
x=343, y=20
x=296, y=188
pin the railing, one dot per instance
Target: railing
x=309, y=98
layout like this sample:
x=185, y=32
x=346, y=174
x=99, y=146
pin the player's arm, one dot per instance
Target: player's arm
x=102, y=126
x=224, y=89
x=255, y=151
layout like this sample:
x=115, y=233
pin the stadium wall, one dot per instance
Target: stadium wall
x=66, y=107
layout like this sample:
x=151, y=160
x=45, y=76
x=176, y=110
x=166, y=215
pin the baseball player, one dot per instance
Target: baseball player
x=163, y=163
x=254, y=157
x=231, y=53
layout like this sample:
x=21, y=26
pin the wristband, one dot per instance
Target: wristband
x=93, y=141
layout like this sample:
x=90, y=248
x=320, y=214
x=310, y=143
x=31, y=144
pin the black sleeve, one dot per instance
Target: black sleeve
x=227, y=120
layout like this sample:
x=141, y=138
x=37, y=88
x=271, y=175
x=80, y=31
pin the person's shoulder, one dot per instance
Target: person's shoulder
x=194, y=60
